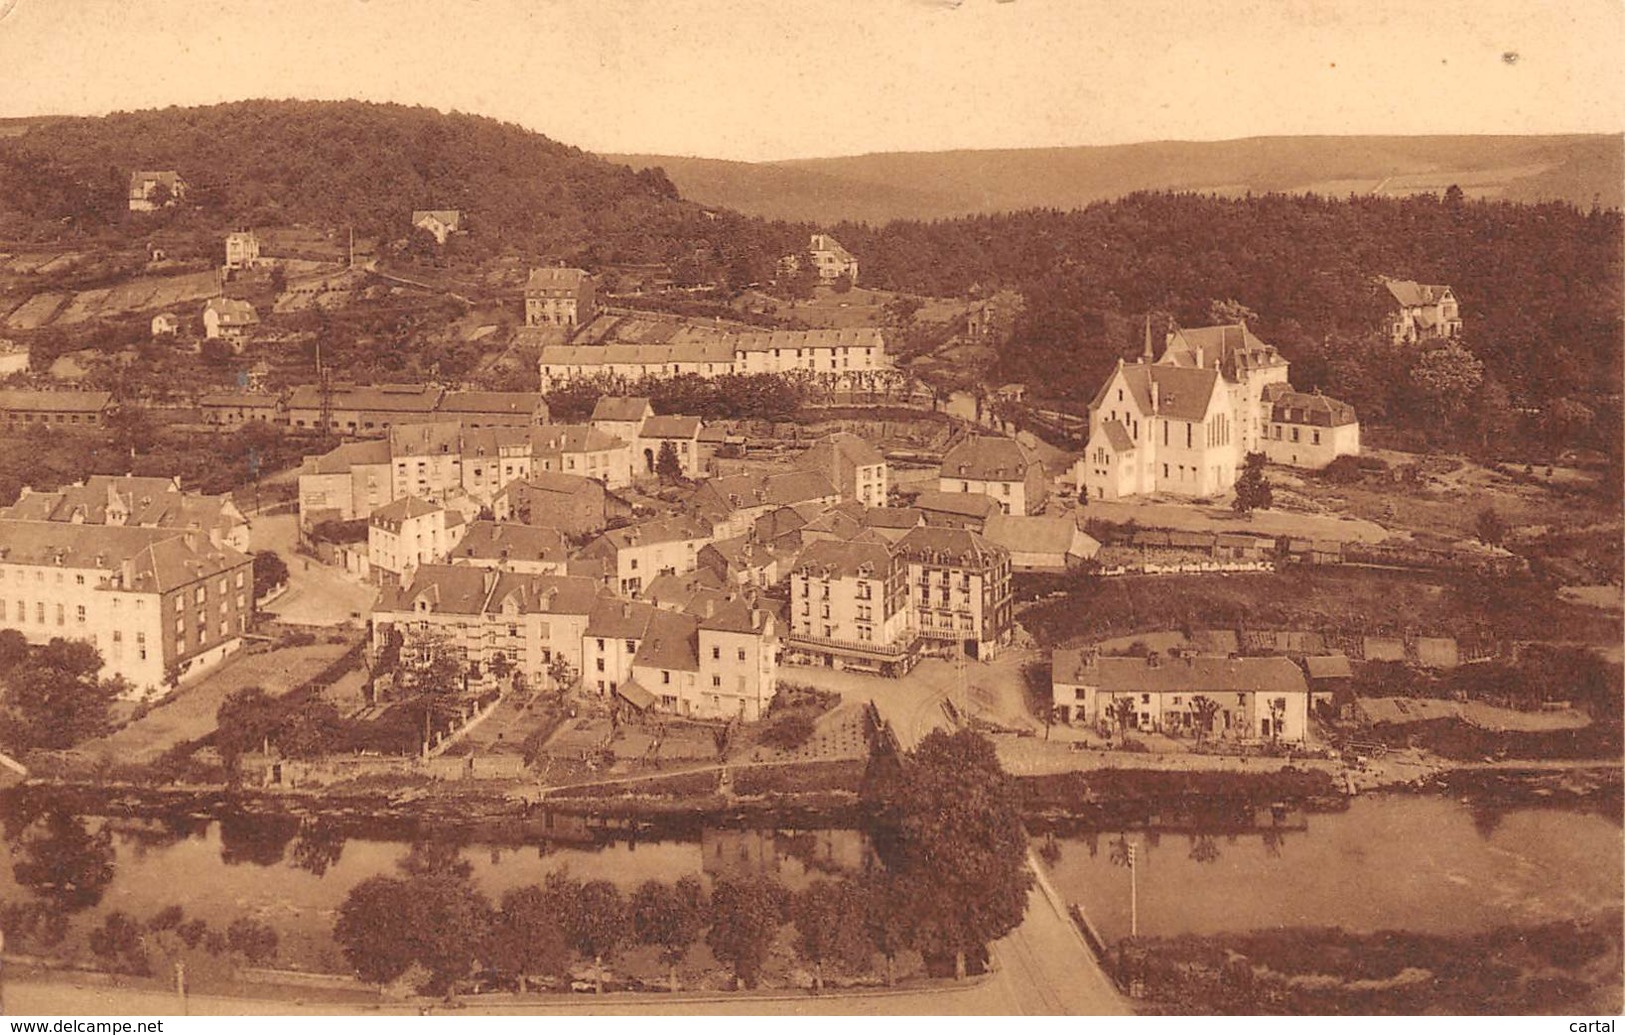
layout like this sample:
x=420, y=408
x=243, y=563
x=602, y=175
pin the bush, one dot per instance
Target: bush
x=256, y=940
x=789, y=732
x=118, y=942
x=1344, y=470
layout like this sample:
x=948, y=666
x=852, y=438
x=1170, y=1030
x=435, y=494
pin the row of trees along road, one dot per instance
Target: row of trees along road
x=953, y=879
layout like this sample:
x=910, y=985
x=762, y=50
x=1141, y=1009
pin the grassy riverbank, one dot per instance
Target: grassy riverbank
x=1568, y=967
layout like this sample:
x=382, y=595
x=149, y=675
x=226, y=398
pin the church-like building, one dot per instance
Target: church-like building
x=1182, y=424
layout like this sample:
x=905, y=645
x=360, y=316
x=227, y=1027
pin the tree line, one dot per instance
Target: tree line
x=950, y=878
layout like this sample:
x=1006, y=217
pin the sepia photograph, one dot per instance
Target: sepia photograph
x=718, y=509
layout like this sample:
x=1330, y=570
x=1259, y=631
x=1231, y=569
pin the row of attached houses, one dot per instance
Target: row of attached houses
x=720, y=662
x=835, y=352
x=157, y=603
x=1249, y=698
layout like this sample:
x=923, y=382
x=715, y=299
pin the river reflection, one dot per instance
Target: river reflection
x=1388, y=862
x=294, y=874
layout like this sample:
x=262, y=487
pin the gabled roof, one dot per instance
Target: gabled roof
x=672, y=529
x=1184, y=393
x=1411, y=293
x=572, y=438
x=893, y=517
x=560, y=483
x=742, y=491
x=146, y=502
x=826, y=243
x=615, y=619
x=622, y=408
x=1329, y=666
x=1057, y=535
x=463, y=589
x=450, y=217
x=670, y=427
x=985, y=458
x=426, y=438
x=398, y=398
x=347, y=456
x=669, y=642
x=822, y=338
x=232, y=312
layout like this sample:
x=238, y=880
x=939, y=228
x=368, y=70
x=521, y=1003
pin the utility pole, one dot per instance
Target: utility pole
x=1133, y=892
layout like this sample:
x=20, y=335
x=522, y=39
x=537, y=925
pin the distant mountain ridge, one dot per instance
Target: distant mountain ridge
x=1582, y=169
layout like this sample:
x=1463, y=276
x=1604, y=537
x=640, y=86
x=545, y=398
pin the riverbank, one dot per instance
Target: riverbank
x=1568, y=967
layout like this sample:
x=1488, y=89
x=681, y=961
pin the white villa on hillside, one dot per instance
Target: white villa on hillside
x=1183, y=424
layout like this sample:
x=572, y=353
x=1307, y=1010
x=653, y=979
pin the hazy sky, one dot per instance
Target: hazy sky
x=763, y=79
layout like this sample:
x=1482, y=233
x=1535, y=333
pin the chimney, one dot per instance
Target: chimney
x=710, y=608
x=1156, y=397
x=1200, y=357
x=626, y=609
x=489, y=579
x=755, y=620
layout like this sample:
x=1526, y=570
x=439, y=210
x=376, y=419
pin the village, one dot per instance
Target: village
x=638, y=557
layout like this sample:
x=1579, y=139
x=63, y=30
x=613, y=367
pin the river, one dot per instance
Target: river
x=1400, y=862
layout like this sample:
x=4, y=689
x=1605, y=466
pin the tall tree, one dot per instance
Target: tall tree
x=597, y=925
x=667, y=466
x=1447, y=377
x=746, y=914
x=670, y=916
x=54, y=698
x=1253, y=488
x=828, y=919
x=527, y=938
x=952, y=800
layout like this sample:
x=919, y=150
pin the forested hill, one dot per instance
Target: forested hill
x=875, y=188
x=1539, y=285
x=349, y=163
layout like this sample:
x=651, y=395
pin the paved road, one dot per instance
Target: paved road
x=316, y=594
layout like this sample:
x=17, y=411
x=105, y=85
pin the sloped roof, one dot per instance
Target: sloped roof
x=399, y=398
x=1329, y=666
x=856, y=559
x=1199, y=675
x=964, y=504
x=24, y=400
x=161, y=558
x=571, y=438
x=233, y=312
x=669, y=642
x=427, y=438
x=959, y=547
x=622, y=408
x=403, y=509
x=1117, y=436
x=755, y=490
x=987, y=457
x=893, y=517
x=822, y=338
x=1184, y=393
x=452, y=218
x=1037, y=534
x=1411, y=293
x=463, y=589
x=548, y=277
x=497, y=541
x=150, y=503
x=342, y=459
x=615, y=619
x=561, y=483
x=646, y=533
x=1311, y=408
x=516, y=403
x=670, y=427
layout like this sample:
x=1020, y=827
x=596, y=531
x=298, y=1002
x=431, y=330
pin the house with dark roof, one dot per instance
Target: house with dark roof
x=1182, y=424
x=1307, y=429
x=621, y=415
x=849, y=608
x=682, y=433
x=345, y=484
x=407, y=533
x=510, y=546
x=229, y=318
x=661, y=546
x=136, y=502
x=831, y=259
x=852, y=465
x=733, y=503
x=1250, y=698
x=559, y=297
x=494, y=409
x=535, y=622
x=1422, y=312
x=153, y=189
x=996, y=467
x=21, y=407
x=440, y=222
x=957, y=509
x=959, y=590
x=569, y=503
x=157, y=603
x=1042, y=543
